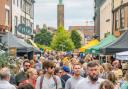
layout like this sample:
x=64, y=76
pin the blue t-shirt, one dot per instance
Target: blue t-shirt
x=124, y=85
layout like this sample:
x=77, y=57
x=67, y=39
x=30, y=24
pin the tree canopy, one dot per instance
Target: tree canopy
x=44, y=37
x=76, y=38
x=61, y=41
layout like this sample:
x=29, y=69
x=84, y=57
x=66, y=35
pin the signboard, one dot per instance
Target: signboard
x=26, y=30
x=12, y=52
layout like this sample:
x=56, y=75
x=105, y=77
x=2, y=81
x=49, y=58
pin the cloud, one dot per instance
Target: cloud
x=76, y=12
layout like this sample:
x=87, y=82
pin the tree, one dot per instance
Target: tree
x=4, y=58
x=61, y=41
x=76, y=38
x=44, y=37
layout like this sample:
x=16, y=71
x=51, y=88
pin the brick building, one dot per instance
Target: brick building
x=86, y=32
x=5, y=16
x=120, y=8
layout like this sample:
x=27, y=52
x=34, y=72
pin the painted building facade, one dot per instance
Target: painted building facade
x=120, y=14
x=22, y=13
x=97, y=5
x=5, y=16
x=106, y=18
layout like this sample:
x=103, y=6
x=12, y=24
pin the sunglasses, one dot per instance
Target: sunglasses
x=27, y=65
x=60, y=72
x=52, y=67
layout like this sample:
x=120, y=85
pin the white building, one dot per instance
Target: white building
x=105, y=18
x=22, y=13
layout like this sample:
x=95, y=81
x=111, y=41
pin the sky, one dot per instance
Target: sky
x=77, y=12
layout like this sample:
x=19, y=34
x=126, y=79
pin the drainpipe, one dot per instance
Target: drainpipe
x=33, y=20
x=121, y=6
x=11, y=17
x=25, y=17
x=112, y=17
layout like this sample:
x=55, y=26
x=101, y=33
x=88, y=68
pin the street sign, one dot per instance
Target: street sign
x=26, y=30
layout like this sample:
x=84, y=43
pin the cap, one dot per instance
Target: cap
x=66, y=68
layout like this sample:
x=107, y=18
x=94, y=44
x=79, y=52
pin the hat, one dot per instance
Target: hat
x=66, y=68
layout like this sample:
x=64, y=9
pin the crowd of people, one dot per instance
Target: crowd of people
x=58, y=70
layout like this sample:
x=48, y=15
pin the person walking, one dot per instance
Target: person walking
x=106, y=85
x=21, y=76
x=71, y=82
x=4, y=79
x=48, y=80
x=65, y=75
x=92, y=81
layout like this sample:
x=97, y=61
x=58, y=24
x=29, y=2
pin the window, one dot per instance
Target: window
x=122, y=18
x=13, y=1
x=21, y=4
x=31, y=25
x=32, y=11
x=28, y=8
x=23, y=20
x=7, y=17
x=17, y=3
x=15, y=23
x=20, y=19
x=117, y=20
x=16, y=19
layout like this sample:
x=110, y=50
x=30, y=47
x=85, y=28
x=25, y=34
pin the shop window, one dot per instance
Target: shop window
x=13, y=1
x=117, y=20
x=18, y=3
x=7, y=18
x=122, y=18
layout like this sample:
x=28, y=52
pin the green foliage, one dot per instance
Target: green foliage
x=43, y=46
x=61, y=41
x=76, y=38
x=44, y=37
x=4, y=59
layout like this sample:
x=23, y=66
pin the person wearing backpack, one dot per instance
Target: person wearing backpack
x=65, y=75
x=48, y=80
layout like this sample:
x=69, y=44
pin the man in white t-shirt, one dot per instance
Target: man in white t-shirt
x=92, y=81
x=48, y=81
x=4, y=79
x=71, y=82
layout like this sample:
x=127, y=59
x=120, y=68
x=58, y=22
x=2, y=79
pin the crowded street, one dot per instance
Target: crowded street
x=63, y=44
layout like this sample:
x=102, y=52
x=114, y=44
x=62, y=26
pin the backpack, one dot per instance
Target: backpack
x=41, y=81
x=63, y=83
x=64, y=79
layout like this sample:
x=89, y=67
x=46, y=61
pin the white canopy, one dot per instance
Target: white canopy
x=122, y=55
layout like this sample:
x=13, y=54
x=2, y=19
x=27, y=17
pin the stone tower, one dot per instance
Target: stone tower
x=60, y=14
